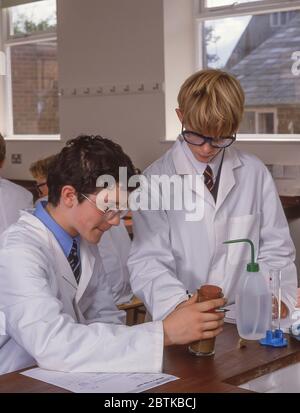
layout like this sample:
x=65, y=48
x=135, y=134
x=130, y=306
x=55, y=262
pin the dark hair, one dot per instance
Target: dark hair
x=82, y=161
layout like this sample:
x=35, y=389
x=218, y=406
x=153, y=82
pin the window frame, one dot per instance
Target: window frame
x=9, y=41
x=258, y=111
x=252, y=8
x=280, y=23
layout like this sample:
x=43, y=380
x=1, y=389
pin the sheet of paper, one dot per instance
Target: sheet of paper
x=101, y=382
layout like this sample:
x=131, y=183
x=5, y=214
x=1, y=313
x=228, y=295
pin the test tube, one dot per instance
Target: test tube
x=275, y=287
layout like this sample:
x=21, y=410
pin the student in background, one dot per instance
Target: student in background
x=171, y=255
x=114, y=248
x=114, y=245
x=39, y=170
x=13, y=198
x=55, y=302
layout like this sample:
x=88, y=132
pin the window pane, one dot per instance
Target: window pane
x=35, y=88
x=248, y=123
x=266, y=123
x=259, y=53
x=33, y=17
x=219, y=3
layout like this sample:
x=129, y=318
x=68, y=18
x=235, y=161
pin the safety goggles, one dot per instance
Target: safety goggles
x=108, y=213
x=39, y=186
x=194, y=138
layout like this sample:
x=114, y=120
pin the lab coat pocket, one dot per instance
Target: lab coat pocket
x=246, y=226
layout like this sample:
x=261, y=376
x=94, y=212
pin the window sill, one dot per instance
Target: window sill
x=284, y=138
x=35, y=138
x=255, y=138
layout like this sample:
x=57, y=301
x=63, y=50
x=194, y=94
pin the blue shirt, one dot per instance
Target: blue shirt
x=63, y=238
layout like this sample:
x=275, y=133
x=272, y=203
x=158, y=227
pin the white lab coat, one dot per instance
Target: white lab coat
x=114, y=247
x=13, y=198
x=52, y=322
x=170, y=255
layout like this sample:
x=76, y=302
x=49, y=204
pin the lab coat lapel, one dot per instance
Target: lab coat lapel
x=65, y=270
x=87, y=268
x=227, y=180
x=184, y=167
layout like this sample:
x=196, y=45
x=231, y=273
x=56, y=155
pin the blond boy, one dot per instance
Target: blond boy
x=39, y=170
x=172, y=256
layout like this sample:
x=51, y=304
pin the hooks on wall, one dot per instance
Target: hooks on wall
x=113, y=89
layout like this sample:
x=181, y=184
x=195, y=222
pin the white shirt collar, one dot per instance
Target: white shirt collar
x=201, y=166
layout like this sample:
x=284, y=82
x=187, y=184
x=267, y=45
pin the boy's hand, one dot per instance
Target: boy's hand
x=193, y=321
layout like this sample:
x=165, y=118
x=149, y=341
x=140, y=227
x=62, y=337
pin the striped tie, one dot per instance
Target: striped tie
x=74, y=261
x=208, y=178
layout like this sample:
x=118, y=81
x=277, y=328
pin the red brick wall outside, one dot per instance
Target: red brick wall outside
x=35, y=89
x=288, y=115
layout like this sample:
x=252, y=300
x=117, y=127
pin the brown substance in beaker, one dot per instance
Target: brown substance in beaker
x=206, y=347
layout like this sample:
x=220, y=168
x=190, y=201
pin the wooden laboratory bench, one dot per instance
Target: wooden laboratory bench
x=135, y=311
x=229, y=367
x=222, y=373
x=291, y=206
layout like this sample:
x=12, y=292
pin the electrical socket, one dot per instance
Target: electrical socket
x=16, y=158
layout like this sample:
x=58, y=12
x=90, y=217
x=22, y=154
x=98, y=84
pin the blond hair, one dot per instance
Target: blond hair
x=41, y=167
x=212, y=103
x=2, y=149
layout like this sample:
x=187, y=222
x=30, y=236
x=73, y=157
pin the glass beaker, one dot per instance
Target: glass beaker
x=206, y=347
x=275, y=288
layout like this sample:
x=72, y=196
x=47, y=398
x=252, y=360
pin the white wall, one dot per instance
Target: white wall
x=117, y=41
x=274, y=152
x=180, y=46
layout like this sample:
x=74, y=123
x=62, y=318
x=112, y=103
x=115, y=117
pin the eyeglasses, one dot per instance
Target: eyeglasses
x=38, y=187
x=197, y=139
x=108, y=213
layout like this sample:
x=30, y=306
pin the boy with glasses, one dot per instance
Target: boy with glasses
x=172, y=256
x=39, y=170
x=56, y=306
x=114, y=245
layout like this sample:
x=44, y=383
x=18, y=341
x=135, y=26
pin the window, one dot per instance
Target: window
x=259, y=121
x=255, y=41
x=221, y=3
x=281, y=19
x=32, y=79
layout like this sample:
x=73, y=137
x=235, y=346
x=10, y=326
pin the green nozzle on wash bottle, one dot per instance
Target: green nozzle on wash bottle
x=253, y=299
